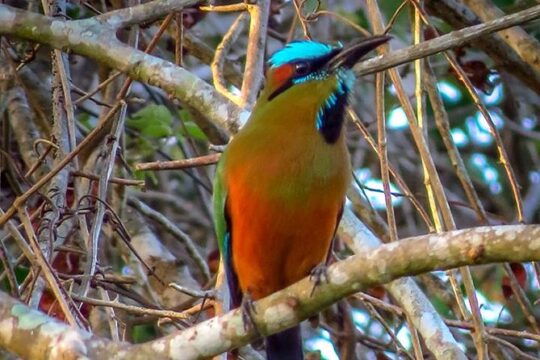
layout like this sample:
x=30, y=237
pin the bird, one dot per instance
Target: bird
x=280, y=184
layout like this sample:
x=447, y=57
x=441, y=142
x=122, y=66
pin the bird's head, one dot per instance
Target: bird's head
x=304, y=60
x=322, y=66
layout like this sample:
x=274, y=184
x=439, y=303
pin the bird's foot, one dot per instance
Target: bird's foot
x=318, y=275
x=248, y=309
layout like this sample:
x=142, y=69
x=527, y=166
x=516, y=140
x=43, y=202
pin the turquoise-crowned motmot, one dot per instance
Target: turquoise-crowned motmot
x=280, y=184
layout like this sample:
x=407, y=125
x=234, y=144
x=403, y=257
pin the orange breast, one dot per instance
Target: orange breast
x=276, y=244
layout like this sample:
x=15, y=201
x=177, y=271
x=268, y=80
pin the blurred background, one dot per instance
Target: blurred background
x=156, y=226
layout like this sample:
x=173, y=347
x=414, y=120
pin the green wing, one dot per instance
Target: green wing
x=219, y=198
x=222, y=225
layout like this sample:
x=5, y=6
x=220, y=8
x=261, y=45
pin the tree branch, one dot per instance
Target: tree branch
x=513, y=57
x=437, y=337
x=53, y=340
x=449, y=41
x=148, y=12
x=90, y=38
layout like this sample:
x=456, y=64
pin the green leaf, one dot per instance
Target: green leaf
x=153, y=120
x=191, y=129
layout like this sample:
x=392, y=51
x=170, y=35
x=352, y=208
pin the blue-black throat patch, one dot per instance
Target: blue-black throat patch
x=330, y=117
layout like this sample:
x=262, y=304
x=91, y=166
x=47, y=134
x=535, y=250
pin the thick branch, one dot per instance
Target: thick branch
x=33, y=335
x=143, y=13
x=516, y=243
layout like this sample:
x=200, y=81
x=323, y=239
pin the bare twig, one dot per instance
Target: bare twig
x=443, y=125
x=176, y=231
x=518, y=353
x=399, y=180
x=59, y=293
x=383, y=154
x=204, y=160
x=226, y=8
x=193, y=292
x=399, y=347
x=501, y=151
x=92, y=242
x=112, y=180
x=136, y=309
x=495, y=331
x=221, y=53
x=256, y=48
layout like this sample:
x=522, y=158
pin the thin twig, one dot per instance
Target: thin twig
x=298, y=4
x=383, y=154
x=501, y=151
x=375, y=314
x=193, y=292
x=111, y=316
x=225, y=8
x=341, y=18
x=168, y=225
x=443, y=125
x=220, y=56
x=256, y=49
x=112, y=180
x=399, y=180
x=101, y=85
x=92, y=242
x=204, y=160
x=179, y=39
x=494, y=330
x=59, y=293
x=136, y=309
x=518, y=353
x=521, y=298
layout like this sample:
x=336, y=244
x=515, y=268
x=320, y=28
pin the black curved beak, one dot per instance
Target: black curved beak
x=351, y=54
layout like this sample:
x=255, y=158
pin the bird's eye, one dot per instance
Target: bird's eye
x=301, y=68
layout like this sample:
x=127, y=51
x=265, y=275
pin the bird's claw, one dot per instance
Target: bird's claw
x=248, y=309
x=318, y=275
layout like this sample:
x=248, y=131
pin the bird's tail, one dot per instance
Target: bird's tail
x=286, y=345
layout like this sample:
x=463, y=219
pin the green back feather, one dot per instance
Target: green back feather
x=219, y=197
